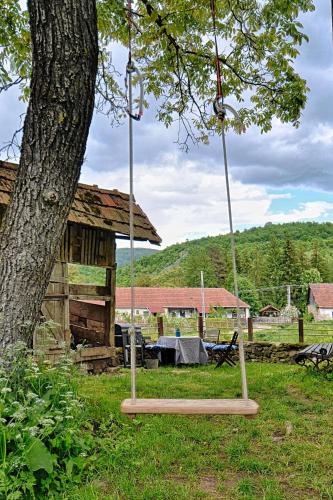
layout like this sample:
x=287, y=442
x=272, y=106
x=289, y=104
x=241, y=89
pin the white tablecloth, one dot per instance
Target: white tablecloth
x=188, y=350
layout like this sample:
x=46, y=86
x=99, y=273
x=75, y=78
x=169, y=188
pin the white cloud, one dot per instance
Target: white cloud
x=323, y=135
x=185, y=201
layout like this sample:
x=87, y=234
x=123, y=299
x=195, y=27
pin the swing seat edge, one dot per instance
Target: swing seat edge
x=191, y=406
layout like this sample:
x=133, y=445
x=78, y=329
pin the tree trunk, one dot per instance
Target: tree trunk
x=64, y=66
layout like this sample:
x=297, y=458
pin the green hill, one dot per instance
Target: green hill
x=94, y=275
x=269, y=256
x=123, y=254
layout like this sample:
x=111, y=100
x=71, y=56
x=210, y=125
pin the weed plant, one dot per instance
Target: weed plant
x=42, y=447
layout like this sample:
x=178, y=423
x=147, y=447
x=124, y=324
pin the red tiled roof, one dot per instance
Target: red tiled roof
x=322, y=294
x=157, y=299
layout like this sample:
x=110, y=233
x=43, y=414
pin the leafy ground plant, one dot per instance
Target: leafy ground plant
x=42, y=448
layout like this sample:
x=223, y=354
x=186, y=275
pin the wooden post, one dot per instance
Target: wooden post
x=67, y=328
x=250, y=329
x=160, y=327
x=110, y=306
x=301, y=330
x=201, y=326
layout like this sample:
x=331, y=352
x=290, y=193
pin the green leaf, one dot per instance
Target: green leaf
x=38, y=456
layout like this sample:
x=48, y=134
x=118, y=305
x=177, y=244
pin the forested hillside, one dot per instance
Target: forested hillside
x=123, y=254
x=270, y=256
x=96, y=275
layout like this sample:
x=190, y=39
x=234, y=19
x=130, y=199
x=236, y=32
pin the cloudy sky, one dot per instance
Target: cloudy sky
x=283, y=176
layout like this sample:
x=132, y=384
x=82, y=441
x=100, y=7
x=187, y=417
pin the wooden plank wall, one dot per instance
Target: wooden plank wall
x=55, y=308
x=91, y=247
x=88, y=246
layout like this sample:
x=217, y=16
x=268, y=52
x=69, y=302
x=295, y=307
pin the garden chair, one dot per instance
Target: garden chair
x=225, y=351
x=156, y=349
x=211, y=339
x=317, y=356
x=140, y=347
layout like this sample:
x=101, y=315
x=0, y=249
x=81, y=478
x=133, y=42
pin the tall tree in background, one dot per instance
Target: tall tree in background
x=260, y=39
x=247, y=292
x=221, y=263
x=307, y=277
x=319, y=261
x=274, y=265
x=197, y=261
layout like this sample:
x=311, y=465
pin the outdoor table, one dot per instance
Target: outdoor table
x=188, y=350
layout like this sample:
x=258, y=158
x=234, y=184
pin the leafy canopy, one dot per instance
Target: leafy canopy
x=173, y=47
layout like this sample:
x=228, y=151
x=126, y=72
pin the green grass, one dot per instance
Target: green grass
x=286, y=452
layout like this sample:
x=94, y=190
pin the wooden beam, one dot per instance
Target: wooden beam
x=55, y=296
x=95, y=312
x=93, y=290
x=105, y=298
x=85, y=333
x=90, y=353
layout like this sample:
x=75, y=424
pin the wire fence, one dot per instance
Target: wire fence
x=295, y=332
x=278, y=330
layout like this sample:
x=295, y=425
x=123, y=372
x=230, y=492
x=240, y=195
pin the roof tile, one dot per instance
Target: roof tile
x=157, y=299
x=322, y=294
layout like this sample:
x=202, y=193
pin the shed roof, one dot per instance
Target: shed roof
x=322, y=294
x=269, y=308
x=93, y=207
x=157, y=299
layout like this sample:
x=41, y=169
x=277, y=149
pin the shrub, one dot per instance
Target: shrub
x=42, y=446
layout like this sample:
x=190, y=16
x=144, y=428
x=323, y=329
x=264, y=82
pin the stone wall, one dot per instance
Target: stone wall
x=268, y=352
x=254, y=351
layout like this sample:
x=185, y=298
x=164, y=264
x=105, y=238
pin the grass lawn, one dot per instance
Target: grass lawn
x=285, y=453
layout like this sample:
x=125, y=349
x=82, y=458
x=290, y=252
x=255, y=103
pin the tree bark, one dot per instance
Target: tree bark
x=64, y=67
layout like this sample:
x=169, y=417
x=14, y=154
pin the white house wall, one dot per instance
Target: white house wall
x=189, y=312
x=325, y=313
x=137, y=311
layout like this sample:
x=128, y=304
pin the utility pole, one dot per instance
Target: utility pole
x=288, y=295
x=203, y=305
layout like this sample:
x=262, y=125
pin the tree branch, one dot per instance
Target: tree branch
x=173, y=42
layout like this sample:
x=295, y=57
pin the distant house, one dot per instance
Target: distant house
x=269, y=311
x=320, y=300
x=178, y=302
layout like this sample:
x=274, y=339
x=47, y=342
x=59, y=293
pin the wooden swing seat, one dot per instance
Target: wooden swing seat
x=191, y=406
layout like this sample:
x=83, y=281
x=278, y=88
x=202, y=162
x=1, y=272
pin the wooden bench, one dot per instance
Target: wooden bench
x=315, y=355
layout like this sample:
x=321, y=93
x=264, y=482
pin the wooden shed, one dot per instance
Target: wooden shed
x=269, y=311
x=97, y=218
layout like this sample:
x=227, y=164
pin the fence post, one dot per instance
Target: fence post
x=300, y=330
x=201, y=326
x=250, y=329
x=160, y=327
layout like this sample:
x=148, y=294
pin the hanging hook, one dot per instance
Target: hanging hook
x=130, y=69
x=221, y=108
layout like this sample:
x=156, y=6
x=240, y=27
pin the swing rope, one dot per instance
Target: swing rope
x=220, y=111
x=129, y=85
